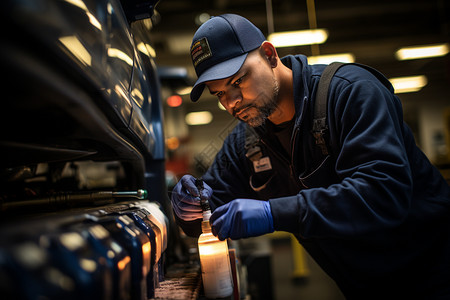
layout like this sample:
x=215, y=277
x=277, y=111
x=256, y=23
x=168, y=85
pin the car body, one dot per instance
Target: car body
x=80, y=84
x=81, y=124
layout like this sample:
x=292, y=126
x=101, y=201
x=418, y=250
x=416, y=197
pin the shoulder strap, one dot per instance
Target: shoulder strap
x=320, y=106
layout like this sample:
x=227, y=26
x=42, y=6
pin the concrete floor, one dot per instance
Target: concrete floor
x=316, y=286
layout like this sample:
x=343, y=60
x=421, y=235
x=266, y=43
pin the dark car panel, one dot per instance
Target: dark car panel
x=91, y=39
x=81, y=121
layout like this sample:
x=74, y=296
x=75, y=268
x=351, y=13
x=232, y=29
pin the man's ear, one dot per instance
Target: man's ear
x=270, y=53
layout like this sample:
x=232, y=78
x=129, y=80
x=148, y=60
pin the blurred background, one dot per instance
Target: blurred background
x=382, y=34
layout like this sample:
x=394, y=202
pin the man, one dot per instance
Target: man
x=371, y=210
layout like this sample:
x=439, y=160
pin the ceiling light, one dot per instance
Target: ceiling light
x=418, y=52
x=298, y=38
x=202, y=18
x=328, y=59
x=408, y=84
x=184, y=90
x=199, y=118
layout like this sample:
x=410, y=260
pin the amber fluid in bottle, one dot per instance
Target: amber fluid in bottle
x=215, y=263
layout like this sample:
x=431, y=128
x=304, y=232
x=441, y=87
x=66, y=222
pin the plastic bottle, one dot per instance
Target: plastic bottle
x=214, y=260
x=215, y=263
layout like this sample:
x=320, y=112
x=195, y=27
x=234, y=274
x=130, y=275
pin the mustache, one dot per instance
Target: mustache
x=238, y=110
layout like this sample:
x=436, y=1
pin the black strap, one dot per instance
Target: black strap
x=320, y=109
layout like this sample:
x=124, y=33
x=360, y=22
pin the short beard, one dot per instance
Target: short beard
x=267, y=108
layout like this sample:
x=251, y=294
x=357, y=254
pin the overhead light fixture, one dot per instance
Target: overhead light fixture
x=408, y=84
x=419, y=52
x=298, y=38
x=199, y=118
x=328, y=59
x=202, y=18
x=184, y=90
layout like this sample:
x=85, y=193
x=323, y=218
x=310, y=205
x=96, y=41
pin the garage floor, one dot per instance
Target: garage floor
x=316, y=286
x=270, y=271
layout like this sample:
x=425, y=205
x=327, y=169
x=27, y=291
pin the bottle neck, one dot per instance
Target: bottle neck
x=206, y=227
x=206, y=215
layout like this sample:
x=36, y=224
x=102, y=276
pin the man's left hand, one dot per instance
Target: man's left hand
x=242, y=218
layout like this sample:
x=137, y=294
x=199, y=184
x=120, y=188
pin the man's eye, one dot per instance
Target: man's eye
x=238, y=82
x=219, y=94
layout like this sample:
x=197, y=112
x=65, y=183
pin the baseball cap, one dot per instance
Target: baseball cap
x=220, y=47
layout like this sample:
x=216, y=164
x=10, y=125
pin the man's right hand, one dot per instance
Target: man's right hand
x=186, y=198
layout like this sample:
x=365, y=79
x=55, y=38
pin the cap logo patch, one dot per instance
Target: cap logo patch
x=200, y=51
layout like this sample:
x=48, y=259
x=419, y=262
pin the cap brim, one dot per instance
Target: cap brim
x=220, y=71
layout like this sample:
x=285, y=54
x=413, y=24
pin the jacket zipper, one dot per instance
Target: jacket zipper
x=291, y=164
x=294, y=137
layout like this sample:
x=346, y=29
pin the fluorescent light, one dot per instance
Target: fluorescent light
x=202, y=18
x=298, y=38
x=199, y=118
x=184, y=90
x=418, y=52
x=328, y=59
x=408, y=84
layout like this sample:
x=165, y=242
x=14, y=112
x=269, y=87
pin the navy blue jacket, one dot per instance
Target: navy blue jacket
x=374, y=214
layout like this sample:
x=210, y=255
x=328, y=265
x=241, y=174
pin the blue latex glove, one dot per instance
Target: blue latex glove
x=242, y=218
x=186, y=198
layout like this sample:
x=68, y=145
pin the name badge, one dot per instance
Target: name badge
x=262, y=165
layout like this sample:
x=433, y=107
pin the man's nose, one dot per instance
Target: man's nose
x=233, y=98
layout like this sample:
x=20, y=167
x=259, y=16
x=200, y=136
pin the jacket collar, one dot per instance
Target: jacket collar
x=301, y=74
x=301, y=78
